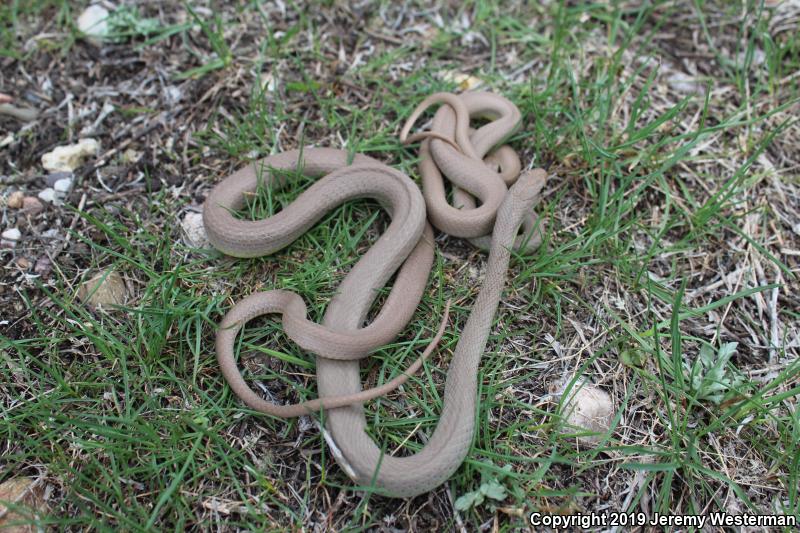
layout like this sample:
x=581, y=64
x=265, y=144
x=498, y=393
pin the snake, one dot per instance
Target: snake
x=491, y=199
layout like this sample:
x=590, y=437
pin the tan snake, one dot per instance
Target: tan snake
x=450, y=148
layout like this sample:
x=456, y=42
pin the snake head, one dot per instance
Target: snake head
x=529, y=185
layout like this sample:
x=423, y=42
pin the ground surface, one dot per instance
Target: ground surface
x=671, y=139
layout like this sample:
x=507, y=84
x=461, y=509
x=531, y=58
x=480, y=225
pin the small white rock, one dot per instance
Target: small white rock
x=12, y=234
x=588, y=408
x=68, y=158
x=10, y=238
x=195, y=231
x=93, y=22
x=172, y=95
x=47, y=195
x=53, y=177
x=62, y=188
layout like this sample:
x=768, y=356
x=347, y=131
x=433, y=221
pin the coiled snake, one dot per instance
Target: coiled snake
x=481, y=168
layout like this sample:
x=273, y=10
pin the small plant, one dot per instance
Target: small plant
x=709, y=376
x=490, y=488
x=126, y=22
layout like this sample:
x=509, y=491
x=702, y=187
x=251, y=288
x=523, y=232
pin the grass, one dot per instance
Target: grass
x=656, y=195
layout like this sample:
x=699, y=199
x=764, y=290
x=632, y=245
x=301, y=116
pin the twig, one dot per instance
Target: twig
x=772, y=304
x=25, y=114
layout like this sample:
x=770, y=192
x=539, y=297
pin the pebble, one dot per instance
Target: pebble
x=43, y=266
x=32, y=205
x=15, y=199
x=10, y=238
x=48, y=195
x=194, y=230
x=172, y=95
x=93, y=23
x=104, y=290
x=51, y=233
x=27, y=497
x=69, y=157
x=23, y=263
x=53, y=177
x=588, y=408
x=62, y=188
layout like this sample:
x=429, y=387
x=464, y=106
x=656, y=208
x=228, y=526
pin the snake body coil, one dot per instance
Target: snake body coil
x=450, y=149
